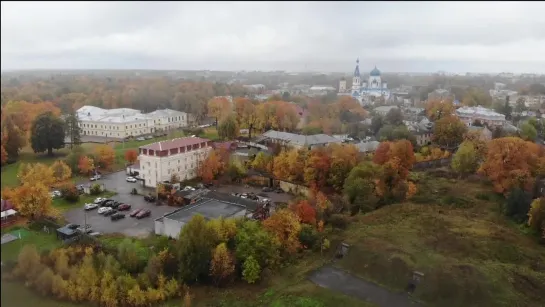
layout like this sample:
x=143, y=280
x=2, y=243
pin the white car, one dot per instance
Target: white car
x=131, y=179
x=90, y=206
x=99, y=200
x=103, y=210
x=95, y=177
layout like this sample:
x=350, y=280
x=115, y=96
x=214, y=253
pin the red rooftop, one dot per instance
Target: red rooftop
x=174, y=146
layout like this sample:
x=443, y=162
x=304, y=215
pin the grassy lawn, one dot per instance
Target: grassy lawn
x=456, y=236
x=17, y=295
x=63, y=205
x=211, y=133
x=41, y=240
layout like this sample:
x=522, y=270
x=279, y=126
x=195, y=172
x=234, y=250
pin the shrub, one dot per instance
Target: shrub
x=308, y=236
x=95, y=189
x=338, y=221
x=70, y=193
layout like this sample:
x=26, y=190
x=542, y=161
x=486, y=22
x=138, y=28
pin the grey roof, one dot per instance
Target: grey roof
x=367, y=146
x=299, y=139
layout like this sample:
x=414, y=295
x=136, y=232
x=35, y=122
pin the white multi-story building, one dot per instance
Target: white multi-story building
x=125, y=122
x=181, y=156
x=469, y=115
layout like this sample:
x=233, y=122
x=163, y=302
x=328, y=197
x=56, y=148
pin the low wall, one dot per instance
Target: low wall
x=293, y=188
x=432, y=164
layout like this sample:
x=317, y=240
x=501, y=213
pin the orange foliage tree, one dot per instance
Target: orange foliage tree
x=246, y=114
x=344, y=157
x=211, y=167
x=278, y=115
x=131, y=156
x=105, y=156
x=219, y=108
x=24, y=113
x=284, y=224
x=512, y=162
x=85, y=165
x=397, y=159
x=305, y=212
x=317, y=168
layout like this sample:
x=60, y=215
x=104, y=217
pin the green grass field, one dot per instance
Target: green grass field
x=470, y=254
x=41, y=240
x=63, y=205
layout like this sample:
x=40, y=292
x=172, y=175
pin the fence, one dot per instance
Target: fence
x=432, y=164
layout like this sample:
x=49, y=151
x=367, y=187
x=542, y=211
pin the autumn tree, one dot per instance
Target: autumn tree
x=465, y=160
x=131, y=156
x=32, y=200
x=219, y=108
x=4, y=155
x=211, y=167
x=284, y=224
x=262, y=162
x=47, y=133
x=437, y=109
x=305, y=212
x=394, y=117
x=104, y=156
x=344, y=157
x=36, y=173
x=13, y=138
x=317, y=168
x=246, y=114
x=278, y=115
x=511, y=162
x=536, y=215
x=476, y=97
x=228, y=128
x=280, y=165
x=252, y=240
x=449, y=131
x=222, y=266
x=86, y=165
x=251, y=270
x=61, y=171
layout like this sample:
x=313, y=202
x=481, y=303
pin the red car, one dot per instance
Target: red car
x=135, y=212
x=123, y=207
x=143, y=213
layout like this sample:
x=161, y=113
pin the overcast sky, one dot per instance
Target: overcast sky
x=294, y=36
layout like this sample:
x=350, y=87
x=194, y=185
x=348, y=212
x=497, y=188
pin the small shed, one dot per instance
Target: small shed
x=65, y=233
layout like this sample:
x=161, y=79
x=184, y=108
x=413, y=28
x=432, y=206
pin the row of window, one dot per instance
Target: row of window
x=126, y=126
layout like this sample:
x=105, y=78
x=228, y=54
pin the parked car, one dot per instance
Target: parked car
x=87, y=229
x=140, y=139
x=90, y=206
x=149, y=137
x=103, y=210
x=144, y=213
x=108, y=202
x=95, y=234
x=99, y=200
x=95, y=177
x=117, y=216
x=124, y=207
x=149, y=198
x=131, y=179
x=110, y=212
x=135, y=212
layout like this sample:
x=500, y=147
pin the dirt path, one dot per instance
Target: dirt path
x=335, y=279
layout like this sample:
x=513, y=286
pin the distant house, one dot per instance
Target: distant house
x=297, y=140
x=367, y=147
x=484, y=133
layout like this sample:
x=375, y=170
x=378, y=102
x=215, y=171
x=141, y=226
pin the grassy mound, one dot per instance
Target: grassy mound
x=470, y=254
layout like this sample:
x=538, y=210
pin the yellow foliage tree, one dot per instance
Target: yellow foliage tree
x=536, y=214
x=36, y=173
x=32, y=200
x=61, y=171
x=105, y=156
x=222, y=266
x=285, y=225
x=224, y=229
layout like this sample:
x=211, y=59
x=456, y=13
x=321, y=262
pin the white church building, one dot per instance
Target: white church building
x=365, y=92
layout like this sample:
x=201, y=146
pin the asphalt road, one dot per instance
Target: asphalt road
x=336, y=279
x=128, y=226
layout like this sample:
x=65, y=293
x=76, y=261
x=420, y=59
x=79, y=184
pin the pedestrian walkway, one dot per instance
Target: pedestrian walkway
x=339, y=280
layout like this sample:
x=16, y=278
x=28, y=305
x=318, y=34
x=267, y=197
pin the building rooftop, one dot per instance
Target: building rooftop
x=208, y=208
x=480, y=111
x=299, y=139
x=174, y=143
x=121, y=115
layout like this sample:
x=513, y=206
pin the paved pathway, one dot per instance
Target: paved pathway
x=336, y=279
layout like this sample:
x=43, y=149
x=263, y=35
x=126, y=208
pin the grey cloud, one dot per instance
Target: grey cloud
x=274, y=35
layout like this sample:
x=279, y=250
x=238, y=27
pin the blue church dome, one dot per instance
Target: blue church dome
x=375, y=72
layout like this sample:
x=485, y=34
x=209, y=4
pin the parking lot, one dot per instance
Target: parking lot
x=128, y=226
x=273, y=196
